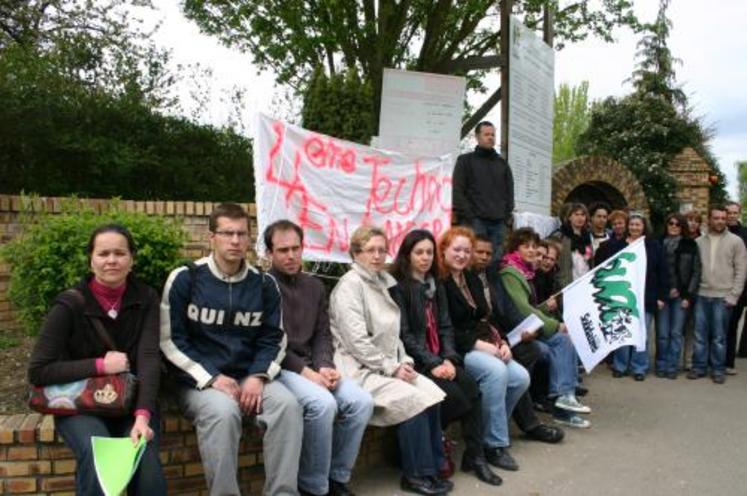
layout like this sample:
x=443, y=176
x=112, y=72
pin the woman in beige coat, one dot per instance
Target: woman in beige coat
x=365, y=323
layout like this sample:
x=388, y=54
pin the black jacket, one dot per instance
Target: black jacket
x=483, y=186
x=466, y=319
x=68, y=344
x=685, y=274
x=411, y=296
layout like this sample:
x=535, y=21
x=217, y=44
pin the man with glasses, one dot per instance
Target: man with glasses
x=221, y=331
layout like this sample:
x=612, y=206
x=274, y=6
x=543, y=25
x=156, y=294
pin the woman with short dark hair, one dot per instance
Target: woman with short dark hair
x=683, y=264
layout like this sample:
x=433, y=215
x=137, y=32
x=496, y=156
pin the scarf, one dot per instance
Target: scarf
x=514, y=260
x=580, y=243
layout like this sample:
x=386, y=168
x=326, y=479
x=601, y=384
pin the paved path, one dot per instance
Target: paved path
x=659, y=437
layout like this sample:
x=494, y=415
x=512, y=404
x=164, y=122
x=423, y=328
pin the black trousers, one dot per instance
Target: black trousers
x=731, y=333
x=526, y=353
x=463, y=403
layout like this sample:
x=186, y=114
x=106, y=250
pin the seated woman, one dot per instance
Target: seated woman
x=429, y=338
x=68, y=349
x=477, y=332
x=365, y=323
x=516, y=273
x=626, y=359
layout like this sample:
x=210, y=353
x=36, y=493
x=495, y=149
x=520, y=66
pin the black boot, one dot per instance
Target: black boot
x=482, y=470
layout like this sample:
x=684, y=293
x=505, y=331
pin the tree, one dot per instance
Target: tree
x=571, y=118
x=83, y=93
x=327, y=95
x=646, y=129
x=296, y=37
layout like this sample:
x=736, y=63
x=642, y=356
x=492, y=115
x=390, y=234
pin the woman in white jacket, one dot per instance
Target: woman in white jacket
x=365, y=323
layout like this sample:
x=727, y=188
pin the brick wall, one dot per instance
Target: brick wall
x=33, y=458
x=692, y=175
x=192, y=215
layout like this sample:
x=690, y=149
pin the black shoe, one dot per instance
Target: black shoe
x=694, y=375
x=617, y=374
x=639, y=377
x=337, y=488
x=501, y=458
x=719, y=379
x=421, y=485
x=482, y=470
x=545, y=434
x=581, y=391
x=660, y=374
x=672, y=375
x=444, y=484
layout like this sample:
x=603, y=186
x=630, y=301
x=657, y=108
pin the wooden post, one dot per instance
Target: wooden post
x=506, y=8
x=548, y=30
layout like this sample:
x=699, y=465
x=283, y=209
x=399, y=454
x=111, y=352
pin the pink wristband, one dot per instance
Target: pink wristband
x=142, y=411
x=100, y=366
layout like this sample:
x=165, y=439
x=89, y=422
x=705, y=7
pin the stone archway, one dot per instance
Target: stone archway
x=588, y=179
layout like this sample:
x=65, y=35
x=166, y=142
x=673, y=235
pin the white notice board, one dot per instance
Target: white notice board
x=421, y=113
x=530, y=116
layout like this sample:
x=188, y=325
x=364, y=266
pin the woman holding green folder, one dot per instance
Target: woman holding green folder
x=68, y=349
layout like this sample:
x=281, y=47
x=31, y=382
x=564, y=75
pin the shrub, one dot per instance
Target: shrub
x=50, y=256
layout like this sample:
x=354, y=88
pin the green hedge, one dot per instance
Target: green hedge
x=50, y=255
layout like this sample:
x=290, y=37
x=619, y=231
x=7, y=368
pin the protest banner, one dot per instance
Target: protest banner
x=604, y=309
x=329, y=187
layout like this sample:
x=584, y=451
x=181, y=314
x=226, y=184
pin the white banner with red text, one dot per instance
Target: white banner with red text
x=329, y=187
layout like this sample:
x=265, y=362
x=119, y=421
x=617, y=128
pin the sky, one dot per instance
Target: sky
x=709, y=39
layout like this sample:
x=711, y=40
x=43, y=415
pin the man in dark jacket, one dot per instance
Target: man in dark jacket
x=221, y=330
x=483, y=189
x=336, y=410
x=733, y=216
x=526, y=353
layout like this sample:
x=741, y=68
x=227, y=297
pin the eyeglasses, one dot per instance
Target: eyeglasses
x=375, y=251
x=230, y=234
x=673, y=223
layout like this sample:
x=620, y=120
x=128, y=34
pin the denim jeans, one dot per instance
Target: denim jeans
x=501, y=385
x=711, y=320
x=420, y=444
x=561, y=357
x=333, y=426
x=77, y=430
x=670, y=322
x=626, y=357
x=493, y=229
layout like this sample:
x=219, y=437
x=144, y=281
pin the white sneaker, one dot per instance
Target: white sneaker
x=570, y=403
x=573, y=421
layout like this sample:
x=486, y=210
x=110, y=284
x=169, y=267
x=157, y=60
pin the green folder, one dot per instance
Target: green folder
x=115, y=460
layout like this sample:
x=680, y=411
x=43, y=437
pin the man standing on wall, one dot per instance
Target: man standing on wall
x=221, y=330
x=483, y=189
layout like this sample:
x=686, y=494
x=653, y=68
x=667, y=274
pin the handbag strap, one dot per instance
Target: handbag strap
x=100, y=330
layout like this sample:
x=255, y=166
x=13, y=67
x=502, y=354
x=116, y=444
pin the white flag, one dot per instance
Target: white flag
x=605, y=309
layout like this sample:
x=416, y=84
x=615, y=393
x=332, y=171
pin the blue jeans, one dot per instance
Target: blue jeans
x=670, y=322
x=421, y=447
x=333, y=426
x=493, y=229
x=626, y=357
x=711, y=321
x=561, y=357
x=501, y=385
x=76, y=431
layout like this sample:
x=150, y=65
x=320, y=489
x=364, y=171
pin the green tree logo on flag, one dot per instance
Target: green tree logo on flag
x=615, y=299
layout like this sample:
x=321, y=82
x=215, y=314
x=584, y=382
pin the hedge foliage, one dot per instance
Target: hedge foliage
x=50, y=256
